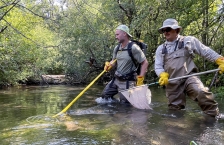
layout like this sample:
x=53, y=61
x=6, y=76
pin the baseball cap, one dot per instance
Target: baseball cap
x=124, y=28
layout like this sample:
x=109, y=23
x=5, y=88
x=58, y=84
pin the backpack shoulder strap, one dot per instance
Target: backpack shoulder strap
x=117, y=48
x=130, y=52
x=129, y=49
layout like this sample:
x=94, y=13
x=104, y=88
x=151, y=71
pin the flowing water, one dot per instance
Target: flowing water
x=26, y=119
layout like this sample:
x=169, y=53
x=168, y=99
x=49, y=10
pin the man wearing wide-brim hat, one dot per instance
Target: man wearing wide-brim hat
x=174, y=58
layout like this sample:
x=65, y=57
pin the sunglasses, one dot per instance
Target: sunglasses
x=166, y=30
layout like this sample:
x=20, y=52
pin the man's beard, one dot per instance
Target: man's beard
x=121, y=40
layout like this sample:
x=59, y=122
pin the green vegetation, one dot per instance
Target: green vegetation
x=40, y=37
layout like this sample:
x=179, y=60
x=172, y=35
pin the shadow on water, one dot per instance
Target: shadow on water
x=26, y=118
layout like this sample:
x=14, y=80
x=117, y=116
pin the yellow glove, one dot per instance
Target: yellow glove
x=140, y=80
x=107, y=66
x=220, y=62
x=163, y=78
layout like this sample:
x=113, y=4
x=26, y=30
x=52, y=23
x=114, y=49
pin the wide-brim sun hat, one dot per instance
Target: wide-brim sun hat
x=124, y=28
x=172, y=23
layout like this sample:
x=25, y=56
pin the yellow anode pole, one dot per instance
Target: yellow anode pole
x=81, y=93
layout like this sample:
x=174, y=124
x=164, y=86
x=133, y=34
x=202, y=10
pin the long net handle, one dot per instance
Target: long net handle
x=80, y=94
x=194, y=74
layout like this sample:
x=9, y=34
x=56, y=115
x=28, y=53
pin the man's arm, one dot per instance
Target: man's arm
x=144, y=67
x=200, y=49
x=143, y=70
x=159, y=58
x=113, y=62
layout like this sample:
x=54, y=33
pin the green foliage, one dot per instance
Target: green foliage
x=25, y=47
x=217, y=87
x=84, y=35
x=219, y=92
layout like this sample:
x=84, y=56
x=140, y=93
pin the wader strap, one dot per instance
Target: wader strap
x=164, y=51
x=179, y=43
x=176, y=44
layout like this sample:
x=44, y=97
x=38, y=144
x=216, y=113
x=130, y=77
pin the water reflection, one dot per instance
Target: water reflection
x=26, y=118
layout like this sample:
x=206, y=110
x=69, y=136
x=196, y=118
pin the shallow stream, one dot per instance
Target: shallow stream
x=26, y=119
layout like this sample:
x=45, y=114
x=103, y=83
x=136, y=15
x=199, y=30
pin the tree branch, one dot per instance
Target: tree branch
x=20, y=32
x=129, y=14
x=3, y=29
x=14, y=4
x=32, y=12
x=27, y=37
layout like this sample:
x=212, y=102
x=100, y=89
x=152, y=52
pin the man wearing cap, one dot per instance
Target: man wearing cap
x=125, y=75
x=174, y=59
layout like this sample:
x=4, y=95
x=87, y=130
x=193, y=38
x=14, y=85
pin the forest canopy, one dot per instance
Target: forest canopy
x=59, y=36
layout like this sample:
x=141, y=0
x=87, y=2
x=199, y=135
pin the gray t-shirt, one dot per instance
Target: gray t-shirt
x=125, y=64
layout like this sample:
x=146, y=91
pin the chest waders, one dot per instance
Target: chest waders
x=180, y=63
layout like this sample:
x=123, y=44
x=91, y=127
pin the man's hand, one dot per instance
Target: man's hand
x=140, y=80
x=107, y=66
x=163, y=78
x=220, y=62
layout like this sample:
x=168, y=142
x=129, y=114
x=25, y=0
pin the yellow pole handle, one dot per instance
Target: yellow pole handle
x=81, y=93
